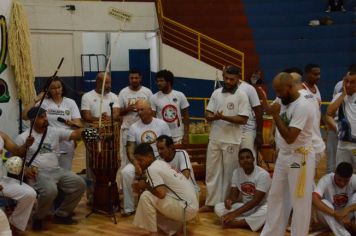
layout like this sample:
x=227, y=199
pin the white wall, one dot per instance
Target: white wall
x=57, y=32
x=183, y=65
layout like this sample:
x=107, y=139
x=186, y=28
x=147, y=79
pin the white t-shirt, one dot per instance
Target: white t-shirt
x=91, y=102
x=68, y=110
x=47, y=157
x=299, y=114
x=168, y=108
x=349, y=104
x=254, y=101
x=182, y=162
x=316, y=94
x=338, y=87
x=148, y=133
x=230, y=105
x=178, y=186
x=127, y=97
x=318, y=142
x=259, y=180
x=339, y=197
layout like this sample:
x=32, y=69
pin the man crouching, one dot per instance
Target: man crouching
x=169, y=199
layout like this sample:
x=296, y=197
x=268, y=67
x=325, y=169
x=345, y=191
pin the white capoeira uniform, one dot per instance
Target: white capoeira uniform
x=128, y=97
x=249, y=130
x=335, y=198
x=259, y=180
x=5, y=229
x=346, y=149
x=168, y=108
x=179, y=205
x=182, y=162
x=23, y=194
x=288, y=169
x=140, y=133
x=67, y=110
x=224, y=143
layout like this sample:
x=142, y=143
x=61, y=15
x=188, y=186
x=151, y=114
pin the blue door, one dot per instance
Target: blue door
x=139, y=59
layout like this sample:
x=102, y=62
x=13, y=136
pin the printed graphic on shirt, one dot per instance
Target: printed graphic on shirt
x=248, y=188
x=58, y=112
x=340, y=200
x=46, y=148
x=149, y=137
x=169, y=113
x=285, y=119
x=230, y=106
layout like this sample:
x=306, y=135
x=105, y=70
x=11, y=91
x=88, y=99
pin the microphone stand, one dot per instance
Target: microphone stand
x=22, y=173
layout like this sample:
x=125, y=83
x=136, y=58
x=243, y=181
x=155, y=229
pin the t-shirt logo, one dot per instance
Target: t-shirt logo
x=248, y=188
x=46, y=148
x=230, y=149
x=285, y=118
x=230, y=106
x=340, y=200
x=169, y=113
x=148, y=137
x=67, y=112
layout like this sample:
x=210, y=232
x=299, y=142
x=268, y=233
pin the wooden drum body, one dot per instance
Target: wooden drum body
x=104, y=161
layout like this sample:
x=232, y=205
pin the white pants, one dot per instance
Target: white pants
x=4, y=225
x=123, y=151
x=255, y=217
x=167, y=214
x=248, y=141
x=128, y=177
x=346, y=153
x=221, y=160
x=25, y=197
x=282, y=196
x=331, y=222
x=67, y=153
x=331, y=147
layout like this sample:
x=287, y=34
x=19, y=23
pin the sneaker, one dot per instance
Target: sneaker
x=36, y=225
x=328, y=10
x=343, y=9
x=64, y=220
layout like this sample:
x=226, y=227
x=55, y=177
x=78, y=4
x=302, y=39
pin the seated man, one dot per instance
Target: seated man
x=45, y=176
x=24, y=195
x=169, y=199
x=176, y=158
x=253, y=183
x=335, y=200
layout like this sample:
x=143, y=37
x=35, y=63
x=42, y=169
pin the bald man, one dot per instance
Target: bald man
x=294, y=171
x=90, y=109
x=145, y=130
x=90, y=106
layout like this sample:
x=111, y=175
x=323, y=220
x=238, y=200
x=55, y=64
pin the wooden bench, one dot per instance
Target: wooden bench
x=197, y=155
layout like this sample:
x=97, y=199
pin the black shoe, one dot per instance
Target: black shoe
x=36, y=225
x=127, y=214
x=64, y=220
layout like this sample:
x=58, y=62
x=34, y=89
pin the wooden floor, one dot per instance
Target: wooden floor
x=98, y=224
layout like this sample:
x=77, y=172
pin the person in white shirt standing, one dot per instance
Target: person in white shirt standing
x=335, y=199
x=293, y=176
x=227, y=110
x=177, y=158
x=62, y=112
x=312, y=77
x=145, y=130
x=127, y=104
x=90, y=106
x=169, y=200
x=252, y=183
x=344, y=106
x=171, y=106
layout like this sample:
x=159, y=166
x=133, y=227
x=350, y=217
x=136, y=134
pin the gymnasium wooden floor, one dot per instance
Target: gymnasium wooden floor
x=98, y=224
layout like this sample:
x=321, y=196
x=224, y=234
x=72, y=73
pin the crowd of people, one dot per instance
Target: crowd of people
x=241, y=193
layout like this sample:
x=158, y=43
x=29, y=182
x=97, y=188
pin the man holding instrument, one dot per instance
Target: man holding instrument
x=45, y=175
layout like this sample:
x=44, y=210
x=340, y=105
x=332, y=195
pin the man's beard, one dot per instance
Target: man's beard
x=286, y=100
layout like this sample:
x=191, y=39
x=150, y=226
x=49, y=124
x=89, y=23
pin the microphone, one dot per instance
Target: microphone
x=111, y=104
x=60, y=119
